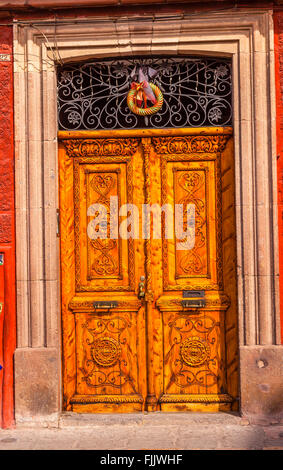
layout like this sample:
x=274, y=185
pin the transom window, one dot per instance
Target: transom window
x=197, y=92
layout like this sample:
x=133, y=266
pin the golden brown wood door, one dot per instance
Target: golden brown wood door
x=150, y=352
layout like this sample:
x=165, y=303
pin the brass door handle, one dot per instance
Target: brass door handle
x=141, y=292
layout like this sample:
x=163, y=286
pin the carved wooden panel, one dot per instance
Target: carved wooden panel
x=193, y=179
x=148, y=353
x=190, y=187
x=193, y=354
x=101, y=260
x=103, y=349
x=103, y=255
x=194, y=340
x=107, y=354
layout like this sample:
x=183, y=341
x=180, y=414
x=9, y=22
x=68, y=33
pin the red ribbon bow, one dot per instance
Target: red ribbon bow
x=144, y=92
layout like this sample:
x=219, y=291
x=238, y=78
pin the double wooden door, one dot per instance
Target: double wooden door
x=146, y=325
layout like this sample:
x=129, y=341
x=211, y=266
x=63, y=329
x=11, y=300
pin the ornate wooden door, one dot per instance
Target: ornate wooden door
x=128, y=350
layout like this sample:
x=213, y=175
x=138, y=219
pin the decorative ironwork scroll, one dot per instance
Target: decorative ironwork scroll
x=197, y=92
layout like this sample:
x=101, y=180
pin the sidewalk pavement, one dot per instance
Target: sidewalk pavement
x=153, y=431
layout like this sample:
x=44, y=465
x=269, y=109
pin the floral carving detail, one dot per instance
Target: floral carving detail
x=100, y=147
x=190, y=144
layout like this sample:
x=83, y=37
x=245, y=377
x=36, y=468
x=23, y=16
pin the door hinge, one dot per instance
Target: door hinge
x=58, y=222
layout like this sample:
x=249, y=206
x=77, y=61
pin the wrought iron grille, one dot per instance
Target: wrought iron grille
x=197, y=92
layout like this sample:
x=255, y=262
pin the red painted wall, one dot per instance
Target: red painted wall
x=7, y=226
x=278, y=23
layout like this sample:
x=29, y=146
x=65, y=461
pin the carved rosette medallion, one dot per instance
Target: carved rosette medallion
x=194, y=351
x=106, y=351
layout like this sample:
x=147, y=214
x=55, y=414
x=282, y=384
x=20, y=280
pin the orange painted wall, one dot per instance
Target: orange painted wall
x=7, y=226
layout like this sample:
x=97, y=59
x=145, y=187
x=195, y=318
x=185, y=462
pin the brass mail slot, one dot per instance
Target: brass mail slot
x=104, y=304
x=193, y=293
x=192, y=303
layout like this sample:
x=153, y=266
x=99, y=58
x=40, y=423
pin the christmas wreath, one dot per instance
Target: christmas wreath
x=142, y=91
x=138, y=94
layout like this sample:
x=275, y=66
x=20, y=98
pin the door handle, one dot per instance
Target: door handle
x=141, y=292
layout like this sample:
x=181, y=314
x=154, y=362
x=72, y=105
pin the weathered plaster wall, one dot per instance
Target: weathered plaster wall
x=7, y=228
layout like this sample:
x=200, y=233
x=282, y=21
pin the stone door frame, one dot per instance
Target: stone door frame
x=247, y=37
